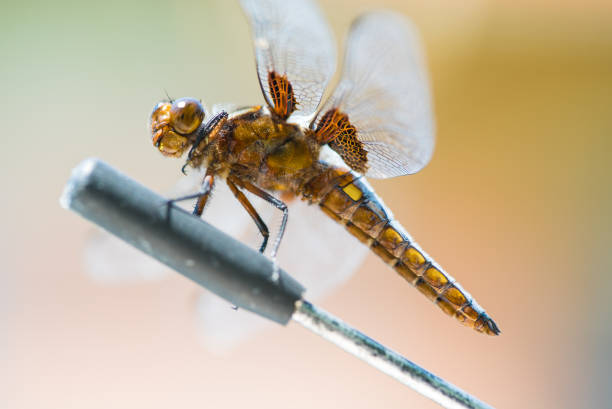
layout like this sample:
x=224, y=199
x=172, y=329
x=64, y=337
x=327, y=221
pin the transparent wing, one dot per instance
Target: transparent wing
x=292, y=38
x=109, y=260
x=384, y=90
x=315, y=250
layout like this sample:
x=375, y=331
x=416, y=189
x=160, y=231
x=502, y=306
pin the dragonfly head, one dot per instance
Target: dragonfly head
x=174, y=123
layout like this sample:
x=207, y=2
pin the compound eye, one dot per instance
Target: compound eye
x=186, y=115
x=171, y=144
x=160, y=116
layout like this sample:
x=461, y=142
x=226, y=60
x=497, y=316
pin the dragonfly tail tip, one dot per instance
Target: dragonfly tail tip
x=491, y=327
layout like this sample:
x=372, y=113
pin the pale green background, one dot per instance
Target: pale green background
x=516, y=204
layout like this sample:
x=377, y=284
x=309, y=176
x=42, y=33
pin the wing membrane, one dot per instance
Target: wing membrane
x=385, y=93
x=291, y=39
x=315, y=250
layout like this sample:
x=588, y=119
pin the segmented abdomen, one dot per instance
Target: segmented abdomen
x=348, y=198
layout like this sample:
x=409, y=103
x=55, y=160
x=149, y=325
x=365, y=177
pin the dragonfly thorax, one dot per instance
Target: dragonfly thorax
x=258, y=147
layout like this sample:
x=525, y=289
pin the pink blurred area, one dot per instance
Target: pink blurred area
x=515, y=204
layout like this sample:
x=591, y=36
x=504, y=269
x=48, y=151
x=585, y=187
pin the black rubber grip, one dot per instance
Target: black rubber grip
x=180, y=240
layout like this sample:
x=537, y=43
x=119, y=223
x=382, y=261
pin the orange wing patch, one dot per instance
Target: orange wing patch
x=282, y=95
x=335, y=129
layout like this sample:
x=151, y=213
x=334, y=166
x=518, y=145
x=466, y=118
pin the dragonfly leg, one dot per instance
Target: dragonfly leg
x=202, y=196
x=275, y=202
x=202, y=133
x=263, y=229
x=207, y=187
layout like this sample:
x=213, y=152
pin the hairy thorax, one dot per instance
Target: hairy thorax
x=270, y=153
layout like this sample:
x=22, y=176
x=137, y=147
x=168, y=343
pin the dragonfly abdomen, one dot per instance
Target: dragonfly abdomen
x=348, y=198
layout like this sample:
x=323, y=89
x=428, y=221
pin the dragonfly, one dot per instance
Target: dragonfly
x=377, y=123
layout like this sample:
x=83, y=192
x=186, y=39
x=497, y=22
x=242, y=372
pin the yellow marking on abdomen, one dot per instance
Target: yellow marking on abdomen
x=353, y=191
x=355, y=205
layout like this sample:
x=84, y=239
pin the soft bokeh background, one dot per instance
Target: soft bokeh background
x=515, y=203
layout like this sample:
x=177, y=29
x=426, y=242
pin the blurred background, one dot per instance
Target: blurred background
x=515, y=204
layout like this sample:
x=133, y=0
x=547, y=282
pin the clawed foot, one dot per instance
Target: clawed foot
x=171, y=202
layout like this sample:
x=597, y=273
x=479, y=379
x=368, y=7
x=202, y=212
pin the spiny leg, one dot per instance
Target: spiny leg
x=207, y=187
x=271, y=199
x=203, y=132
x=202, y=196
x=263, y=229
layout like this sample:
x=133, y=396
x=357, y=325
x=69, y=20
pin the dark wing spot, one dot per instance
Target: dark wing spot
x=282, y=95
x=335, y=129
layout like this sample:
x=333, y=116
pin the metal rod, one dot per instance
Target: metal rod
x=230, y=269
x=186, y=243
x=384, y=359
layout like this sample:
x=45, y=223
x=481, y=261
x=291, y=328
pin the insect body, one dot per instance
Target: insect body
x=378, y=121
